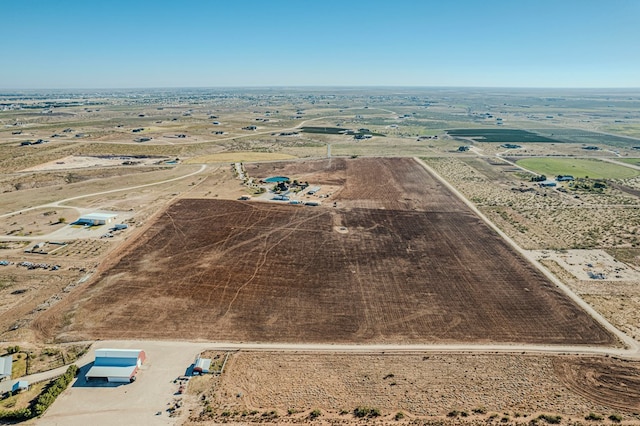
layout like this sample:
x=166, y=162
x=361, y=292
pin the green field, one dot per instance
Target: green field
x=587, y=137
x=594, y=169
x=634, y=161
x=500, y=135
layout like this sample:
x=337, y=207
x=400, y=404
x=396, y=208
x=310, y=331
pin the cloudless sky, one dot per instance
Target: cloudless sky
x=216, y=43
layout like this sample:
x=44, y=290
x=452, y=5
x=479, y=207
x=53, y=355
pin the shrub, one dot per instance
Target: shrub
x=47, y=397
x=315, y=413
x=16, y=415
x=363, y=411
x=554, y=420
x=479, y=410
x=399, y=415
x=594, y=416
x=13, y=349
x=616, y=418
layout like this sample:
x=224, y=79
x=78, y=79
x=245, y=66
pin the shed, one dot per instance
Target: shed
x=116, y=365
x=202, y=365
x=6, y=362
x=20, y=386
x=313, y=190
x=96, y=219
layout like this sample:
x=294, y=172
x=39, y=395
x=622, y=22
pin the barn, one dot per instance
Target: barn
x=116, y=365
x=94, y=219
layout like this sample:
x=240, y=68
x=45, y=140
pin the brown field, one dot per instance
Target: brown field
x=423, y=386
x=415, y=265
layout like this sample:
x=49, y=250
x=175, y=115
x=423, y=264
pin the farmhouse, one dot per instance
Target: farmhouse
x=564, y=178
x=547, y=183
x=5, y=366
x=94, y=219
x=116, y=365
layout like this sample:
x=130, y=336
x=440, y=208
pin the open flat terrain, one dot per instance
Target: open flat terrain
x=402, y=261
x=389, y=258
x=479, y=388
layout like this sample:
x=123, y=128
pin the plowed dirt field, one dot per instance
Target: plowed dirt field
x=400, y=259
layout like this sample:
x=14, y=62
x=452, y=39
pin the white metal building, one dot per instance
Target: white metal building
x=116, y=365
x=5, y=366
x=96, y=219
x=202, y=365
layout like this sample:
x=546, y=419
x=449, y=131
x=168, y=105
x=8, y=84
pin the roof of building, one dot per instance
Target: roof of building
x=6, y=362
x=20, y=384
x=98, y=216
x=203, y=363
x=107, y=371
x=115, y=363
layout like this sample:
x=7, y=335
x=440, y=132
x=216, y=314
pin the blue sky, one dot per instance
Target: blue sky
x=196, y=43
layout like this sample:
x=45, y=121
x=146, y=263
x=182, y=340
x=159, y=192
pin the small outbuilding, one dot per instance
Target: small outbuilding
x=19, y=386
x=116, y=365
x=202, y=365
x=95, y=219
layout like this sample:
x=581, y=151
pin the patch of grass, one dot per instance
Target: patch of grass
x=551, y=419
x=315, y=414
x=634, y=161
x=577, y=167
x=594, y=417
x=616, y=418
x=22, y=399
x=364, y=411
x=19, y=366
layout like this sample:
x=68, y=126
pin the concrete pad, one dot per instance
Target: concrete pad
x=100, y=403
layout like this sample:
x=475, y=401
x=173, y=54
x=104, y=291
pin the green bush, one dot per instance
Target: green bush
x=363, y=411
x=616, y=418
x=594, y=416
x=399, y=415
x=554, y=420
x=50, y=394
x=16, y=415
x=315, y=413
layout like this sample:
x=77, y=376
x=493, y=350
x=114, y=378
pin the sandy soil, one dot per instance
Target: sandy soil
x=423, y=386
x=591, y=264
x=81, y=162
